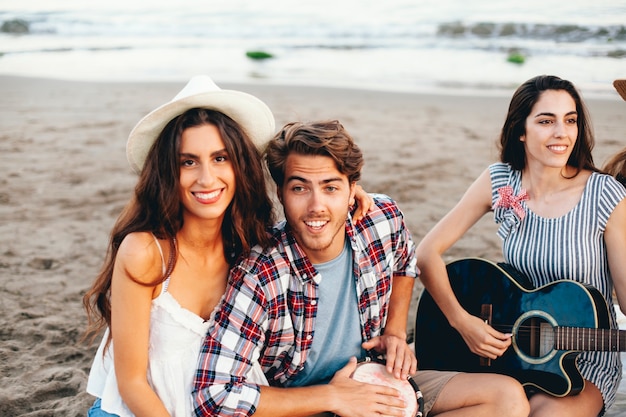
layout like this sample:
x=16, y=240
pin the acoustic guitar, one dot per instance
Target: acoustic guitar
x=551, y=326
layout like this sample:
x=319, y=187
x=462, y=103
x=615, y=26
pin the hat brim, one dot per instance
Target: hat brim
x=253, y=115
x=620, y=86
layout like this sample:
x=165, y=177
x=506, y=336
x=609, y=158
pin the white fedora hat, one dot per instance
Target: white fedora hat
x=249, y=112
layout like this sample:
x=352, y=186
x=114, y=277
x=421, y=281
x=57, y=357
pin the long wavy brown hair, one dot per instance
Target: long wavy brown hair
x=525, y=97
x=156, y=206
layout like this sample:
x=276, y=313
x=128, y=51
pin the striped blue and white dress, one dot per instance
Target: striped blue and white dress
x=572, y=246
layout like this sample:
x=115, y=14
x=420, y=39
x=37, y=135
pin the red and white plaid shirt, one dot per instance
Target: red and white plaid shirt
x=269, y=310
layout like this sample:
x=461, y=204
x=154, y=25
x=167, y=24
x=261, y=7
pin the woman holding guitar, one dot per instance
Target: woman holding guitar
x=559, y=217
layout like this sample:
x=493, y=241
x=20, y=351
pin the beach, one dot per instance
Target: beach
x=64, y=180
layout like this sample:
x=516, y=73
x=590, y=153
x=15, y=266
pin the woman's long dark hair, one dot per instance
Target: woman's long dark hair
x=156, y=206
x=525, y=97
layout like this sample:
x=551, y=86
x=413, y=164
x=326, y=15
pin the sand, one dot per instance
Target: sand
x=64, y=179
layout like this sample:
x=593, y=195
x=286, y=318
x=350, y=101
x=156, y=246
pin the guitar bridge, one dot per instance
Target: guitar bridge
x=486, y=313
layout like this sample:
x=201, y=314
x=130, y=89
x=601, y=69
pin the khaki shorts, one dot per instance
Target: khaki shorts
x=431, y=384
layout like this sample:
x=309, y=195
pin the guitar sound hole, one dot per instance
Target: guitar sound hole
x=535, y=337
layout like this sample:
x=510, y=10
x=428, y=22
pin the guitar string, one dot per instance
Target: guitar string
x=572, y=337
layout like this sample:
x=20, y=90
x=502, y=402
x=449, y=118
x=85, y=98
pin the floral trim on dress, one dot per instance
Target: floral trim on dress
x=514, y=211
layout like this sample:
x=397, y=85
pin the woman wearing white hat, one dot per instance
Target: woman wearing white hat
x=199, y=204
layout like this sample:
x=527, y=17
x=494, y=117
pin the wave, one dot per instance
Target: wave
x=556, y=32
x=51, y=23
x=427, y=44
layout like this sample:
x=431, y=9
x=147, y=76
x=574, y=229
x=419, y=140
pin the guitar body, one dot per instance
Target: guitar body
x=529, y=314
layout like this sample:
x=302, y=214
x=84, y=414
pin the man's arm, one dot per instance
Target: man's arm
x=221, y=385
x=343, y=396
x=400, y=358
x=399, y=303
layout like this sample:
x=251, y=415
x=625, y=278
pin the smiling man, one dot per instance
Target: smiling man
x=328, y=292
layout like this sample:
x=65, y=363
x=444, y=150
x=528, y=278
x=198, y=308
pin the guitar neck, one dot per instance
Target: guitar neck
x=585, y=339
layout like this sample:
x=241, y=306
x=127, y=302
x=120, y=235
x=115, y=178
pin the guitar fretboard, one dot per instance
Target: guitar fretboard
x=585, y=339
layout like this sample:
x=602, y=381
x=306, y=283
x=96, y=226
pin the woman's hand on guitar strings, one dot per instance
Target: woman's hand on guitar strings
x=482, y=339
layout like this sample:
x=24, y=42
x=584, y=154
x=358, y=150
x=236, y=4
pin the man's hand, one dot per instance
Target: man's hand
x=401, y=361
x=359, y=399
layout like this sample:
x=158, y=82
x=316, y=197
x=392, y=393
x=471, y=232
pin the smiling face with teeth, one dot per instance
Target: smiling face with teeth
x=551, y=129
x=207, y=177
x=316, y=198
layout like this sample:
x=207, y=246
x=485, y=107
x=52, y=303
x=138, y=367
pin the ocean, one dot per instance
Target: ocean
x=479, y=46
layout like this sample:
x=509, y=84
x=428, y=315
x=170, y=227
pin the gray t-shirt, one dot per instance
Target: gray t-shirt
x=337, y=334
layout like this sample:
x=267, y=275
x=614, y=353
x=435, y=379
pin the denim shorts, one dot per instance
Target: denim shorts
x=96, y=411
